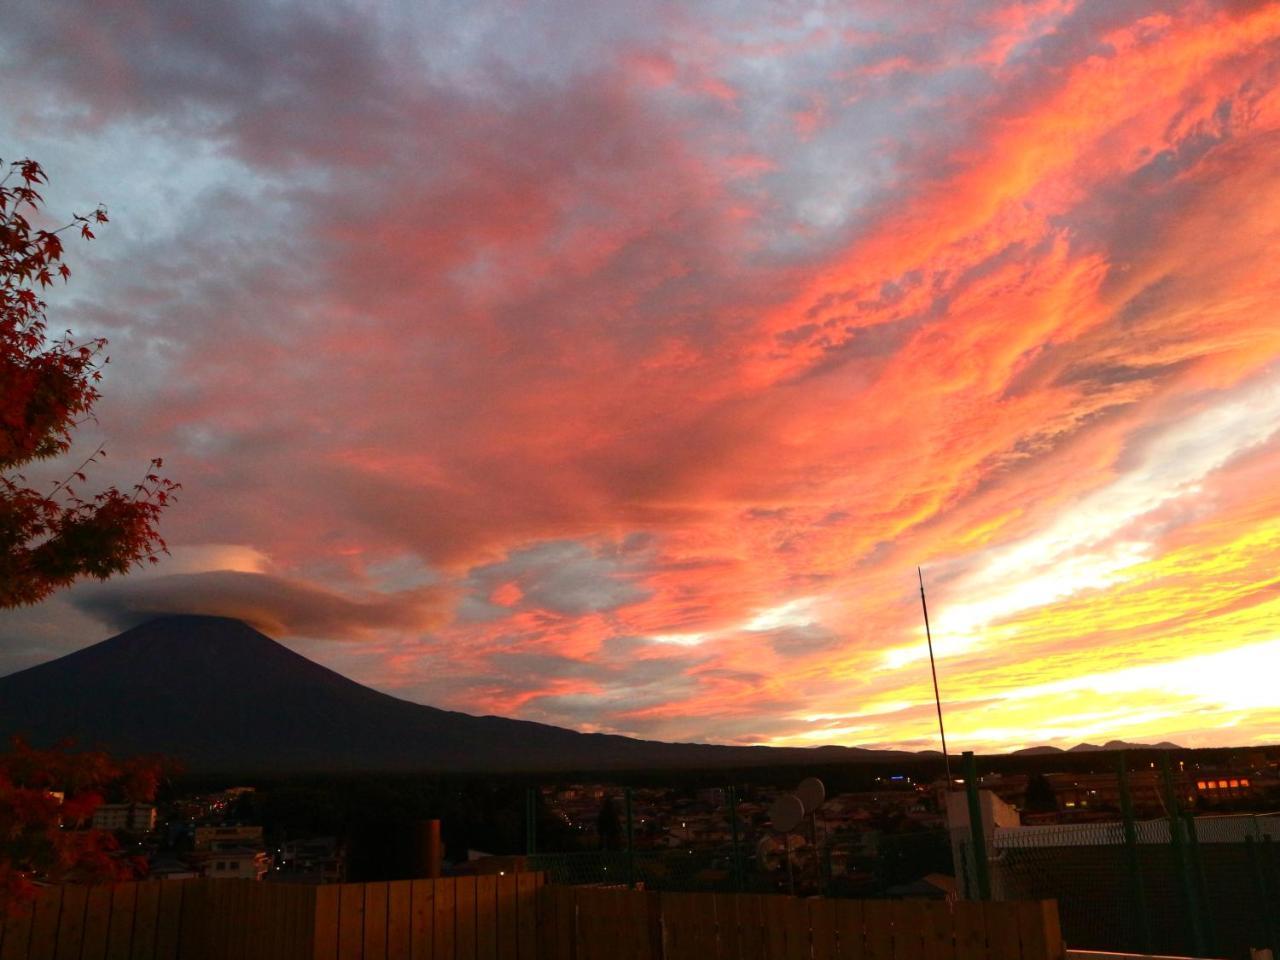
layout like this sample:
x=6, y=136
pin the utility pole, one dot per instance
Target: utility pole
x=933, y=669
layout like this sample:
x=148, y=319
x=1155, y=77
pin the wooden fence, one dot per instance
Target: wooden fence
x=513, y=917
x=585, y=923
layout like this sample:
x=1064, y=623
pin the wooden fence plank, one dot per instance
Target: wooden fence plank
x=444, y=925
x=877, y=930
x=798, y=940
x=850, y=917
x=546, y=911
x=144, y=920
x=189, y=907
x=422, y=910
x=350, y=921
x=44, y=924
x=211, y=920
x=629, y=919
x=274, y=920
x=307, y=907
x=242, y=907
x=487, y=917
x=672, y=906
x=528, y=886
x=693, y=928
x=1038, y=931
x=775, y=928
x=822, y=923
x=557, y=922
x=238, y=921
x=254, y=918
x=608, y=936
x=216, y=919
x=399, y=917
x=71, y=922
x=971, y=930
x=16, y=937
x=1054, y=947
x=293, y=906
x=97, y=921
x=505, y=902
x=938, y=940
x=464, y=910
x=375, y=921
x=325, y=925
x=263, y=923
x=609, y=933
x=704, y=925
x=567, y=923
x=168, y=918
x=653, y=920
x=236, y=903
x=286, y=938
x=725, y=908
x=279, y=922
x=908, y=928
x=1002, y=930
x=586, y=923
x=751, y=926
x=253, y=896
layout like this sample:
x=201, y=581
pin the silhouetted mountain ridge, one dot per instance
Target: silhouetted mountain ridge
x=220, y=695
x=1111, y=746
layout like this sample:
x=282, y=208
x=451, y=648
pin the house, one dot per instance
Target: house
x=127, y=817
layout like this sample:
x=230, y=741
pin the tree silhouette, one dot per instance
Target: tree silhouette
x=47, y=800
x=48, y=386
x=1040, y=797
x=608, y=826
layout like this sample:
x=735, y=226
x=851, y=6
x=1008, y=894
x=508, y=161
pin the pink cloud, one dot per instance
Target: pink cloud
x=667, y=411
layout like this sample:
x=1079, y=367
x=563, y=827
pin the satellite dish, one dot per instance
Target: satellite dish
x=811, y=793
x=787, y=811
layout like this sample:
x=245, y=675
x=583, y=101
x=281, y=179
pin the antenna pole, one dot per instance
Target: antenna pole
x=933, y=669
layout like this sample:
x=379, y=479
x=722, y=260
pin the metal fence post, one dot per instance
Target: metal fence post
x=1131, y=853
x=631, y=841
x=1200, y=881
x=975, y=827
x=1271, y=877
x=530, y=823
x=737, y=839
x=1180, y=857
x=1262, y=896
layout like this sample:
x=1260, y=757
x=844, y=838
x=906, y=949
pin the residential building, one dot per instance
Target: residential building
x=237, y=863
x=127, y=817
x=227, y=836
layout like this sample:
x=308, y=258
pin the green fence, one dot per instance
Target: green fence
x=1206, y=886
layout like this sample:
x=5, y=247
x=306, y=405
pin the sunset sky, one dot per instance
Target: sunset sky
x=614, y=364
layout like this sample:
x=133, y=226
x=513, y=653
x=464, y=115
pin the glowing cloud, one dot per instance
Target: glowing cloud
x=625, y=387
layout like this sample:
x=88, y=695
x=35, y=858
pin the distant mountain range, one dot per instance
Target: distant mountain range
x=220, y=696
x=1110, y=746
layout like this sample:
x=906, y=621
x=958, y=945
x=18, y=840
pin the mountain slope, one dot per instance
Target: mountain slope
x=222, y=696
